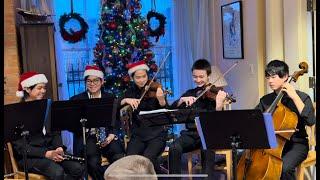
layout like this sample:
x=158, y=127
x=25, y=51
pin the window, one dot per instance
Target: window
x=164, y=45
x=77, y=56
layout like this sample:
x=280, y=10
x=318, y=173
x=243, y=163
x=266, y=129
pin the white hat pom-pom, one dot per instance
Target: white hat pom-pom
x=19, y=94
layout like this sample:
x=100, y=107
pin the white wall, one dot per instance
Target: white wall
x=272, y=29
x=246, y=79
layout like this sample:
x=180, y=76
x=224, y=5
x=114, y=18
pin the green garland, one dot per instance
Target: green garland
x=73, y=36
x=160, y=29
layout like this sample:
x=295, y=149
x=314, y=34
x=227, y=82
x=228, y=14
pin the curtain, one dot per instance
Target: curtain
x=191, y=41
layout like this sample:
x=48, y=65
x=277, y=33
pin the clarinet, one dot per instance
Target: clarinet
x=100, y=132
x=72, y=158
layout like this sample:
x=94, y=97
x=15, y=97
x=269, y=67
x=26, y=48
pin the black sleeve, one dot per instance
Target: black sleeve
x=175, y=103
x=32, y=150
x=56, y=141
x=260, y=106
x=307, y=112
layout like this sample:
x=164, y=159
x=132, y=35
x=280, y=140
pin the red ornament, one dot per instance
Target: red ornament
x=145, y=44
x=112, y=26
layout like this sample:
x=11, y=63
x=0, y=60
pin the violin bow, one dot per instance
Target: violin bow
x=203, y=92
x=148, y=85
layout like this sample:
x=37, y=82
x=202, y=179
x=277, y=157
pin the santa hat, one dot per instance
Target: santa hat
x=93, y=71
x=29, y=79
x=139, y=65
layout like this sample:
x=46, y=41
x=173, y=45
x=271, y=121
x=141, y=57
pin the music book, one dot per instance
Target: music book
x=157, y=111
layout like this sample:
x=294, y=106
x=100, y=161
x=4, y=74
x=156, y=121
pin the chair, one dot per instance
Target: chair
x=310, y=161
x=226, y=152
x=227, y=167
x=20, y=174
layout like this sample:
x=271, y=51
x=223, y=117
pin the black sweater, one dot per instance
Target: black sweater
x=142, y=127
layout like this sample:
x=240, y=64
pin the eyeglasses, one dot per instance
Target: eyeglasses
x=94, y=81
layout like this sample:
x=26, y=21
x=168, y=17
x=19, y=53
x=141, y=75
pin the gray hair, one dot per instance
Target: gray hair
x=131, y=167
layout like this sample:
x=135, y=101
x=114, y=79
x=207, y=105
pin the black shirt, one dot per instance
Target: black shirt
x=307, y=116
x=142, y=127
x=200, y=104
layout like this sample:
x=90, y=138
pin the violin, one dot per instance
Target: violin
x=212, y=92
x=152, y=89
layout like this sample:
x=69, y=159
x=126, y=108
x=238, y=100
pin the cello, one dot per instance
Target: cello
x=267, y=163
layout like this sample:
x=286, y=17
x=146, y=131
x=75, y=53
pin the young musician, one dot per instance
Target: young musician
x=44, y=150
x=145, y=140
x=111, y=146
x=296, y=149
x=189, y=139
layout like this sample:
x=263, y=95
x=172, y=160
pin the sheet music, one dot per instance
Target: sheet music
x=157, y=111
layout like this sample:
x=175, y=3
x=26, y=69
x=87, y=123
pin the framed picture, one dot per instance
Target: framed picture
x=231, y=18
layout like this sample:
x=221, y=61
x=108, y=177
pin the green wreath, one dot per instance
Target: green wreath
x=73, y=36
x=160, y=29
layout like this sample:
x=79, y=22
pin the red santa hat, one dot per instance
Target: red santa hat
x=93, y=71
x=29, y=79
x=139, y=65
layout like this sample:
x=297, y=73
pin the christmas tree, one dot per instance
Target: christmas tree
x=123, y=38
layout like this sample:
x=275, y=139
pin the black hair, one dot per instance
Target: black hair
x=26, y=94
x=85, y=78
x=277, y=67
x=136, y=71
x=202, y=64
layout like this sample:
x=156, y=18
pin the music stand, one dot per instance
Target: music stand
x=91, y=113
x=22, y=120
x=236, y=129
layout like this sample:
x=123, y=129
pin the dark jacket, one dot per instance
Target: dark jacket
x=38, y=144
x=115, y=123
x=142, y=127
x=200, y=104
x=306, y=117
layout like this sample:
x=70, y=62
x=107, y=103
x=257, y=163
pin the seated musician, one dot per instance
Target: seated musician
x=296, y=149
x=189, y=139
x=145, y=140
x=44, y=150
x=111, y=146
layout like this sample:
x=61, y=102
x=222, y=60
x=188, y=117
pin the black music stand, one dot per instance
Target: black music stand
x=91, y=113
x=23, y=120
x=236, y=129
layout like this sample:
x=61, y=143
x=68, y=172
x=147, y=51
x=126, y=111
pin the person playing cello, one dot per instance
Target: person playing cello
x=296, y=149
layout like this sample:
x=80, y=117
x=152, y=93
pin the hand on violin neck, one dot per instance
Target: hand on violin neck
x=161, y=97
x=220, y=99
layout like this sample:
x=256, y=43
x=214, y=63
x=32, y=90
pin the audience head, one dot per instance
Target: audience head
x=133, y=167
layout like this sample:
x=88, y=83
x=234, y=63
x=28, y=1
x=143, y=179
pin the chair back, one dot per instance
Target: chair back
x=14, y=163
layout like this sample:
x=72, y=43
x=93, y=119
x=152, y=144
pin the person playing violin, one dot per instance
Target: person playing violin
x=296, y=149
x=189, y=139
x=145, y=140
